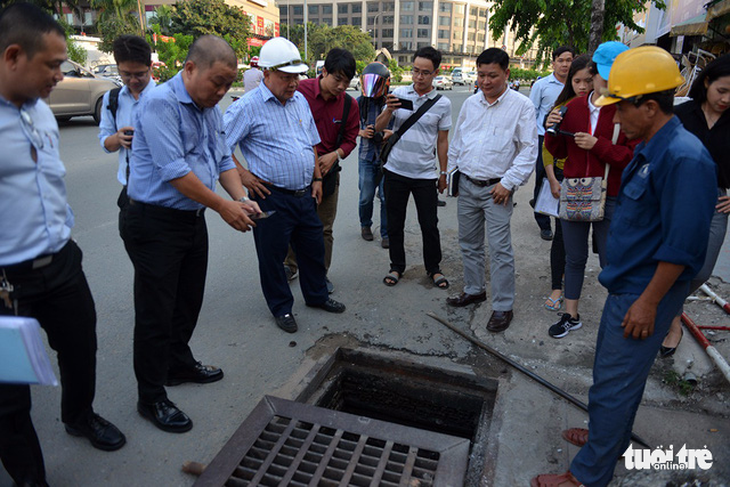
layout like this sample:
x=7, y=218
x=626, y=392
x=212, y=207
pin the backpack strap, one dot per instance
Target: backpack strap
x=113, y=105
x=419, y=113
x=345, y=115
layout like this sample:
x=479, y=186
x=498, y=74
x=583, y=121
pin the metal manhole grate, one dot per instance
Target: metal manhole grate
x=285, y=443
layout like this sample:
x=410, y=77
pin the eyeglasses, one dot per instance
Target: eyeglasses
x=417, y=72
x=30, y=130
x=137, y=75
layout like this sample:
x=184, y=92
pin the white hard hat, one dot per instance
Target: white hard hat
x=281, y=54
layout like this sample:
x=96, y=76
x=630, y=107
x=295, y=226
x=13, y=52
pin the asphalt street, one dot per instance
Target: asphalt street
x=237, y=333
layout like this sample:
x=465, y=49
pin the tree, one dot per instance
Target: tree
x=163, y=18
x=598, y=13
x=322, y=38
x=560, y=22
x=171, y=54
x=203, y=17
x=113, y=27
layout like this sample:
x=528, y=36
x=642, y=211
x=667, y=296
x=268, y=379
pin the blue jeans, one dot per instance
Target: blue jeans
x=620, y=370
x=368, y=176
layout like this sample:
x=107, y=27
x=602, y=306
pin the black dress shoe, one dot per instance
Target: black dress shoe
x=331, y=306
x=546, y=234
x=166, y=416
x=287, y=323
x=465, y=299
x=199, y=373
x=100, y=432
x=499, y=321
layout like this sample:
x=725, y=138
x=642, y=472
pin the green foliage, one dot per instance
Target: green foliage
x=120, y=10
x=322, y=38
x=526, y=74
x=559, y=22
x=113, y=27
x=163, y=18
x=76, y=53
x=172, y=54
x=673, y=379
x=396, y=72
x=202, y=17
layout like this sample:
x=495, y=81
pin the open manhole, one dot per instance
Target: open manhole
x=364, y=419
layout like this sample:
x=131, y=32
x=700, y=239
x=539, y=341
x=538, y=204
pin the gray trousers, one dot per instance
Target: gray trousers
x=475, y=208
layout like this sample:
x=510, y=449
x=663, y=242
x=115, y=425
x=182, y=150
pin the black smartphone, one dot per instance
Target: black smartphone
x=129, y=132
x=406, y=104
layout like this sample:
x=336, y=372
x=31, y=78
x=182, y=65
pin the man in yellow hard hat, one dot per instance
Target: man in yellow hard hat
x=656, y=244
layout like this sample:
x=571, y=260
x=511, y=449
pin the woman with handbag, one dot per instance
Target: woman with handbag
x=596, y=153
x=579, y=83
x=707, y=116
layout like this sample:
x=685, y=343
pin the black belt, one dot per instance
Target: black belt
x=32, y=264
x=294, y=192
x=164, y=210
x=483, y=184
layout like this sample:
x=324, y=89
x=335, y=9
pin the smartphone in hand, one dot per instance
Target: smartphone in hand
x=405, y=104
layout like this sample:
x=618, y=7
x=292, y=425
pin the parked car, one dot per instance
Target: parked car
x=354, y=83
x=79, y=93
x=110, y=71
x=470, y=77
x=457, y=77
x=443, y=83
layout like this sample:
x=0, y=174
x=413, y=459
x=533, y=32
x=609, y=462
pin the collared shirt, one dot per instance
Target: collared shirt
x=663, y=211
x=125, y=117
x=495, y=140
x=173, y=137
x=414, y=155
x=543, y=95
x=328, y=118
x=369, y=150
x=594, y=111
x=251, y=79
x=276, y=140
x=34, y=216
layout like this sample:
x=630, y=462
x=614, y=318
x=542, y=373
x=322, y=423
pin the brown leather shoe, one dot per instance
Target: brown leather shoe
x=465, y=299
x=499, y=321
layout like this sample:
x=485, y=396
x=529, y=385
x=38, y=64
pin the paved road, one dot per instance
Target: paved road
x=237, y=333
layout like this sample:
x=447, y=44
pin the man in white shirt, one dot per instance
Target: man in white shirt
x=134, y=60
x=413, y=164
x=494, y=147
x=543, y=95
x=252, y=77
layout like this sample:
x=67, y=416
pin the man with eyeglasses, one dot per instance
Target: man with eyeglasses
x=330, y=104
x=274, y=128
x=134, y=59
x=416, y=165
x=40, y=266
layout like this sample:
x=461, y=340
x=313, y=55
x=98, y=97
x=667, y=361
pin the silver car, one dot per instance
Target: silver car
x=79, y=93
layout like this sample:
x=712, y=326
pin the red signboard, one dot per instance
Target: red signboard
x=255, y=42
x=276, y=29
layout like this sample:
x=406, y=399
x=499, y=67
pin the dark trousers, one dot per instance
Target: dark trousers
x=294, y=222
x=169, y=251
x=58, y=296
x=397, y=190
x=543, y=221
x=557, y=249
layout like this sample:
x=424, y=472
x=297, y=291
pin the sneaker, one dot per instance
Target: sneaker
x=565, y=325
x=291, y=274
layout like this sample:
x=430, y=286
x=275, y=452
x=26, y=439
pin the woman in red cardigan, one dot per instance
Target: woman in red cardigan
x=587, y=153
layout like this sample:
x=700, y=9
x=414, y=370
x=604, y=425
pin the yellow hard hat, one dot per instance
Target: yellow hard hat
x=640, y=71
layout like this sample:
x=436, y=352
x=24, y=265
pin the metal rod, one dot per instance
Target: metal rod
x=708, y=327
x=711, y=351
x=717, y=299
x=531, y=375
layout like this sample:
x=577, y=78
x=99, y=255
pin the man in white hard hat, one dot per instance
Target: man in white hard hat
x=253, y=76
x=276, y=133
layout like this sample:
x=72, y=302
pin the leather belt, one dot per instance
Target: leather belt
x=164, y=210
x=294, y=192
x=33, y=264
x=483, y=184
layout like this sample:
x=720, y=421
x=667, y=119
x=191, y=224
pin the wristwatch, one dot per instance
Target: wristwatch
x=314, y=180
x=244, y=200
x=443, y=173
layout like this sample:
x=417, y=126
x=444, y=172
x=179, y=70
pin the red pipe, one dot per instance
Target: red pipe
x=696, y=332
x=706, y=327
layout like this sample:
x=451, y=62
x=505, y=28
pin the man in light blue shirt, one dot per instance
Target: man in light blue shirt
x=274, y=128
x=179, y=155
x=40, y=266
x=134, y=58
x=543, y=95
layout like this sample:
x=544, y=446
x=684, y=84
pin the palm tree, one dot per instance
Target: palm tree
x=163, y=18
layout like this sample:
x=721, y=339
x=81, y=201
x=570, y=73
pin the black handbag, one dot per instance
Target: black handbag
x=329, y=181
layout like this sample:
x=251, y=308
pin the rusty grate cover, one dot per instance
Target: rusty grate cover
x=286, y=443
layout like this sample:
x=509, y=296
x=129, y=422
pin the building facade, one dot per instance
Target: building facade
x=459, y=29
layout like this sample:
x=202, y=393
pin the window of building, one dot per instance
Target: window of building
x=472, y=24
x=342, y=21
x=459, y=22
x=406, y=6
x=406, y=46
x=443, y=46
x=423, y=44
x=327, y=9
x=298, y=21
x=283, y=10
x=444, y=7
x=388, y=6
x=424, y=19
x=298, y=9
x=471, y=36
x=444, y=21
x=328, y=21
x=457, y=47
x=406, y=33
x=374, y=33
x=313, y=9
x=459, y=9
x=356, y=8
x=482, y=25
x=482, y=12
x=406, y=19
x=387, y=32
x=423, y=33
x=388, y=19
x=443, y=34
x=343, y=8
x=474, y=11
x=458, y=35
x=373, y=6
x=425, y=6
x=402, y=60
x=357, y=21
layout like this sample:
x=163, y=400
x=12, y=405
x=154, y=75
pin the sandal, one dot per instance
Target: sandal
x=441, y=282
x=392, y=278
x=555, y=480
x=576, y=436
x=554, y=304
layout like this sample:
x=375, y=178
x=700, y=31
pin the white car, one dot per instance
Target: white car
x=443, y=83
x=354, y=83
